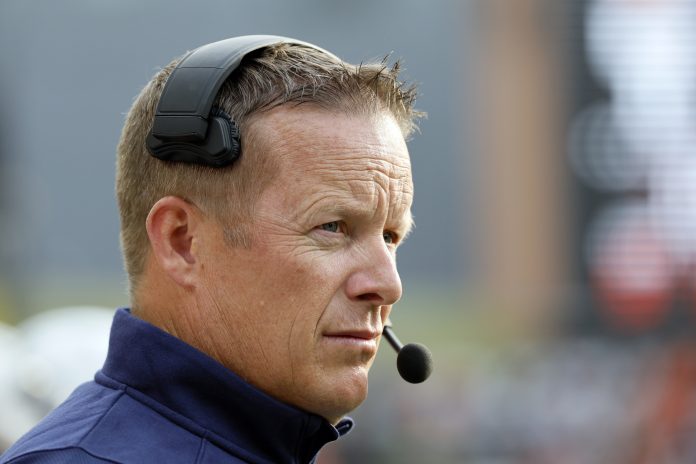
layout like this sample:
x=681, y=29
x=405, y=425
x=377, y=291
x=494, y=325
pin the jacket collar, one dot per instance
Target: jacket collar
x=183, y=381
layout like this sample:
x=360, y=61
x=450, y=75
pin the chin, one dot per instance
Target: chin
x=346, y=392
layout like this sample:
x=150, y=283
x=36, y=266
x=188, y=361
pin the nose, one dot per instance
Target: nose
x=375, y=278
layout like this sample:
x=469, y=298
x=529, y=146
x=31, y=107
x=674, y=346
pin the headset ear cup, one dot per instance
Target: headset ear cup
x=222, y=127
x=221, y=146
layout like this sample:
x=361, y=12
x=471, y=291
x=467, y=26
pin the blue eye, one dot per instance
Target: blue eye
x=389, y=237
x=332, y=226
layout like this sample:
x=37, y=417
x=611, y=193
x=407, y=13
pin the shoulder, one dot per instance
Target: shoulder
x=65, y=426
x=60, y=456
x=101, y=424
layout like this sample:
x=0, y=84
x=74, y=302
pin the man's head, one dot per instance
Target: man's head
x=281, y=266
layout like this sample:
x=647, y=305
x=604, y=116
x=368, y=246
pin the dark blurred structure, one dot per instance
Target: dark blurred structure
x=631, y=151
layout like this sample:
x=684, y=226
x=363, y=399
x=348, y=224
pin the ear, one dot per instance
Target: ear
x=172, y=227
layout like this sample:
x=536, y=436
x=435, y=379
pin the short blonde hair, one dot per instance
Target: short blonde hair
x=277, y=75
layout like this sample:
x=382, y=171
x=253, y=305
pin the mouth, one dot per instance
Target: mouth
x=359, y=339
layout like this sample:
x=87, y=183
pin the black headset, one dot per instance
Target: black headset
x=187, y=128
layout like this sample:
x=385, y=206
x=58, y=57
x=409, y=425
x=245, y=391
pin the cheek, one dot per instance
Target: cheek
x=285, y=293
x=280, y=294
x=309, y=277
x=308, y=290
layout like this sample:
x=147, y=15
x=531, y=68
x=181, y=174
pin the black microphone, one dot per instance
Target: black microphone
x=414, y=361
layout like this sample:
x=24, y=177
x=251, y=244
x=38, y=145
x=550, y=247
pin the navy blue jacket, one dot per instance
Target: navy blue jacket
x=159, y=400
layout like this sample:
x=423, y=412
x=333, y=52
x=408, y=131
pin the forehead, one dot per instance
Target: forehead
x=316, y=149
x=334, y=167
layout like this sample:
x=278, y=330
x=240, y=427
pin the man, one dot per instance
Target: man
x=259, y=290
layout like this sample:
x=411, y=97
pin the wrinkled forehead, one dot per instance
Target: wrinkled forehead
x=295, y=132
x=331, y=155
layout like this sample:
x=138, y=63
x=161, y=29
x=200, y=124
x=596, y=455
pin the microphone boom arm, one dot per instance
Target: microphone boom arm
x=392, y=338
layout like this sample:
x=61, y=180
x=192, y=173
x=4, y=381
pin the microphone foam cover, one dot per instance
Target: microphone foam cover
x=414, y=362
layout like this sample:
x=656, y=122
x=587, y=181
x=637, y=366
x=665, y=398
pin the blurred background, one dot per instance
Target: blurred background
x=551, y=271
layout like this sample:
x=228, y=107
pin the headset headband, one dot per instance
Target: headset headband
x=184, y=128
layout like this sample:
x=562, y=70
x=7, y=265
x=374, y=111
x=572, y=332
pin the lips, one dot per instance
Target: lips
x=362, y=334
x=361, y=340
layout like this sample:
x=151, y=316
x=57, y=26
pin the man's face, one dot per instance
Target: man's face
x=299, y=314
